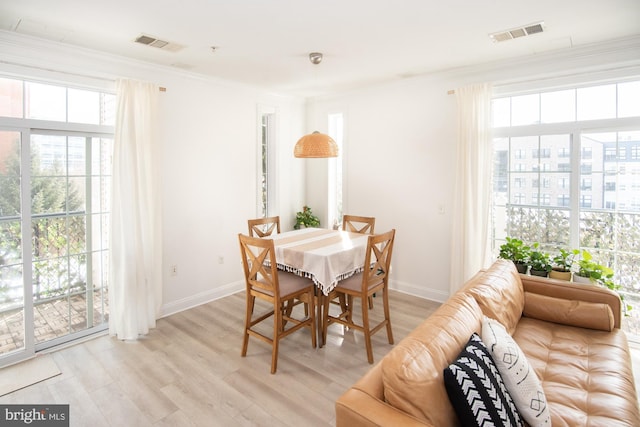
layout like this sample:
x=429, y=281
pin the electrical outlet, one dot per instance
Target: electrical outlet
x=174, y=270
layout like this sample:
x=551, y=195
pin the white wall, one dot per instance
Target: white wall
x=210, y=183
x=400, y=149
x=209, y=139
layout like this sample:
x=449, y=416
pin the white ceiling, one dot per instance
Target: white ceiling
x=266, y=42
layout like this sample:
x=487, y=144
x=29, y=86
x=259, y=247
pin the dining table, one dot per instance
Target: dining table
x=325, y=256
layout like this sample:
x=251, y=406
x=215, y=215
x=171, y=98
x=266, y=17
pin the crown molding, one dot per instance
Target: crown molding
x=59, y=58
x=623, y=53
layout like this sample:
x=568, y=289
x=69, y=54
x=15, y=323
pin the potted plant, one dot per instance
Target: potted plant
x=562, y=264
x=306, y=218
x=539, y=261
x=590, y=271
x=516, y=251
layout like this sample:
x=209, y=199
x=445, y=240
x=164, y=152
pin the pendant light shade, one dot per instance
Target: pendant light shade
x=316, y=145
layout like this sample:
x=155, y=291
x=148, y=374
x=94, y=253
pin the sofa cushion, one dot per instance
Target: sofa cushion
x=412, y=371
x=499, y=293
x=521, y=380
x=476, y=389
x=586, y=374
x=567, y=312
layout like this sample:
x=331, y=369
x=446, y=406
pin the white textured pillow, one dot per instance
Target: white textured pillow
x=518, y=376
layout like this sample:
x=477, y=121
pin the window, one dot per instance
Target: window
x=25, y=99
x=580, y=186
x=336, y=131
x=563, y=183
x=266, y=185
x=55, y=246
x=585, y=201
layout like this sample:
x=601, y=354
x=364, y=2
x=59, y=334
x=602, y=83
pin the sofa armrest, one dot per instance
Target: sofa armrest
x=356, y=408
x=363, y=405
x=575, y=291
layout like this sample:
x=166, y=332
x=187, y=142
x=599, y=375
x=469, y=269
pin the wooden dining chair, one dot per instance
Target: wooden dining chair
x=362, y=285
x=266, y=282
x=262, y=227
x=358, y=224
x=361, y=225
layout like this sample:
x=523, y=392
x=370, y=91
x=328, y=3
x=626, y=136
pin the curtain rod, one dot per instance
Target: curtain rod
x=68, y=73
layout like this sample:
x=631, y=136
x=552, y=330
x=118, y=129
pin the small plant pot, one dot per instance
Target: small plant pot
x=560, y=275
x=540, y=273
x=581, y=279
x=521, y=267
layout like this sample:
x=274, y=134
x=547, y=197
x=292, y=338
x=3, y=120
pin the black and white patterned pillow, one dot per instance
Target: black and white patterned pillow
x=476, y=390
x=519, y=377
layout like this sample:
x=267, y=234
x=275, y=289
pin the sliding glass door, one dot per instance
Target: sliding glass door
x=54, y=216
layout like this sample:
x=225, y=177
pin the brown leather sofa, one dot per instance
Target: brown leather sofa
x=569, y=332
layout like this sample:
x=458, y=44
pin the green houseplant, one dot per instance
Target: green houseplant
x=540, y=261
x=590, y=271
x=562, y=264
x=306, y=218
x=516, y=251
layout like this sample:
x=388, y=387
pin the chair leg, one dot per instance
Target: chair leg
x=325, y=316
x=349, y=315
x=312, y=314
x=367, y=330
x=387, y=317
x=343, y=302
x=371, y=301
x=288, y=309
x=277, y=329
x=247, y=324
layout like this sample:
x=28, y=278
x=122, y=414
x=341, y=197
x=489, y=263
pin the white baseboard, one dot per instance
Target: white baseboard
x=201, y=298
x=231, y=288
x=422, y=292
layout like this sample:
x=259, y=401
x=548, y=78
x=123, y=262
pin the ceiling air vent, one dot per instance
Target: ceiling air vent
x=157, y=43
x=518, y=32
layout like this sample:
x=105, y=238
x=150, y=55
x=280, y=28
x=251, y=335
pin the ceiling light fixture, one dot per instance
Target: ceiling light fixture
x=315, y=145
x=315, y=57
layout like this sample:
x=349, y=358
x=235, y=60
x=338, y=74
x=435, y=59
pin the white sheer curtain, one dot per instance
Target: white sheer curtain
x=471, y=249
x=135, y=282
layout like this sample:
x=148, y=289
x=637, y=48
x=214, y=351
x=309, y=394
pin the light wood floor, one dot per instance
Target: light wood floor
x=188, y=372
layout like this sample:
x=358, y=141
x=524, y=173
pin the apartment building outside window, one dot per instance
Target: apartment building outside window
x=582, y=190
